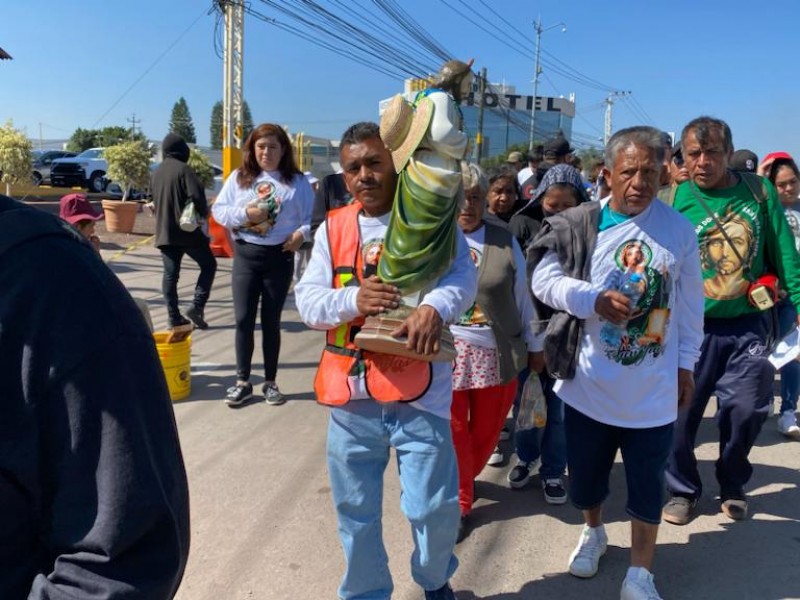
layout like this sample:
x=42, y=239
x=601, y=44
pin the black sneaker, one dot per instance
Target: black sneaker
x=443, y=593
x=554, y=492
x=195, y=315
x=520, y=475
x=239, y=394
x=273, y=395
x=180, y=322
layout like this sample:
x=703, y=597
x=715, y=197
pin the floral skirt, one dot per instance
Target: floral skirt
x=476, y=367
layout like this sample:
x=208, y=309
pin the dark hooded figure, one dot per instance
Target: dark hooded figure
x=561, y=187
x=174, y=185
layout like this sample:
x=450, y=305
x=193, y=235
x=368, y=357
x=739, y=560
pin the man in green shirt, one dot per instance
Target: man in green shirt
x=743, y=235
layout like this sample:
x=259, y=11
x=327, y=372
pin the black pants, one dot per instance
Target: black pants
x=259, y=272
x=733, y=364
x=172, y=257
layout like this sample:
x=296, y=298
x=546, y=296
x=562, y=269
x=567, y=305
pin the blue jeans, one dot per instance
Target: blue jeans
x=360, y=434
x=790, y=373
x=550, y=443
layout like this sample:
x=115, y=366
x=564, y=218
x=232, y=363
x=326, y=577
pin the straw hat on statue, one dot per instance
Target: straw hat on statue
x=403, y=126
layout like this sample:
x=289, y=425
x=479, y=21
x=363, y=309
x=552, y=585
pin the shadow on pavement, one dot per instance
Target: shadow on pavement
x=756, y=559
x=212, y=388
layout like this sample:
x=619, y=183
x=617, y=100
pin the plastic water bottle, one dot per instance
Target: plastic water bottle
x=532, y=406
x=631, y=288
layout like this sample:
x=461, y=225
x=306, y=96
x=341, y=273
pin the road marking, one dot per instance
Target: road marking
x=205, y=368
x=130, y=248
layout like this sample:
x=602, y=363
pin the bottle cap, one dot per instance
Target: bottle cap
x=635, y=277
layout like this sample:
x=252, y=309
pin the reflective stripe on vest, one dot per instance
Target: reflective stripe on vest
x=387, y=378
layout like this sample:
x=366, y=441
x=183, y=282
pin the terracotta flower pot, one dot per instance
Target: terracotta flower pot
x=120, y=216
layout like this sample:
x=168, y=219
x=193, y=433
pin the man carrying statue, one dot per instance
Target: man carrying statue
x=428, y=145
x=378, y=400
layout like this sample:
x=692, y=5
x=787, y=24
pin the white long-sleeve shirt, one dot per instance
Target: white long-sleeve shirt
x=633, y=383
x=323, y=307
x=296, y=202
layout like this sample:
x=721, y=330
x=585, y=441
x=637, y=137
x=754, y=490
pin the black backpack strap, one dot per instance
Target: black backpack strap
x=19, y=225
x=757, y=186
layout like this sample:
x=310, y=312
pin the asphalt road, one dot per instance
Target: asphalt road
x=263, y=526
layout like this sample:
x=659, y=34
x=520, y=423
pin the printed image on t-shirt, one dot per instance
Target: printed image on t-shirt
x=370, y=255
x=644, y=334
x=474, y=316
x=264, y=195
x=727, y=251
x=793, y=218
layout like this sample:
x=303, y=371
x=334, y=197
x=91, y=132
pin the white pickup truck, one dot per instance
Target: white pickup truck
x=87, y=169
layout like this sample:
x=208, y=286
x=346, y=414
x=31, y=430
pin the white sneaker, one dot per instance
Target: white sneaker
x=585, y=559
x=638, y=585
x=496, y=459
x=787, y=424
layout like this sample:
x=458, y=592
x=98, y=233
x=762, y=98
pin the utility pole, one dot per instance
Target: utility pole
x=41, y=142
x=479, y=135
x=537, y=71
x=609, y=102
x=232, y=84
x=133, y=121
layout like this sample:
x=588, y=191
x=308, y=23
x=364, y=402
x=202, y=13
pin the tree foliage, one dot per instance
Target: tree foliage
x=181, y=122
x=247, y=120
x=500, y=159
x=15, y=156
x=201, y=165
x=83, y=139
x=589, y=156
x=216, y=124
x=129, y=165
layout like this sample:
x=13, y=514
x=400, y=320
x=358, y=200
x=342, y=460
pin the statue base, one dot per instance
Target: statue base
x=376, y=336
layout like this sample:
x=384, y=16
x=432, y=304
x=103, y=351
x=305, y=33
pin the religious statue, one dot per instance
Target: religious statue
x=428, y=145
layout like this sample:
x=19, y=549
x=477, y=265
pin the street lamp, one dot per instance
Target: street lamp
x=539, y=31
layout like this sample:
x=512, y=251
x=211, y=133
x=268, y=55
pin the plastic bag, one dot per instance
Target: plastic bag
x=532, y=405
x=787, y=349
x=189, y=220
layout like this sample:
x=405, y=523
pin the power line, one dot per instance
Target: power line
x=150, y=68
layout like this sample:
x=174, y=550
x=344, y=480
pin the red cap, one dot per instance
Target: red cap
x=775, y=156
x=76, y=208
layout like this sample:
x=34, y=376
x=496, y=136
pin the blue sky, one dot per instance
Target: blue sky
x=73, y=61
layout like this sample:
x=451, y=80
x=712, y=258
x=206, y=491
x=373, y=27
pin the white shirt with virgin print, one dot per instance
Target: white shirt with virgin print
x=633, y=383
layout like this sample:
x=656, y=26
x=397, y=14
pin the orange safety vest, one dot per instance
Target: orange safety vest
x=388, y=378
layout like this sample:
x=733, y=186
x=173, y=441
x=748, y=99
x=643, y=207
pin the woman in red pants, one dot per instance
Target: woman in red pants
x=494, y=341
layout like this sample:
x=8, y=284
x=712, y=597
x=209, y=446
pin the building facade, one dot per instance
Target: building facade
x=506, y=115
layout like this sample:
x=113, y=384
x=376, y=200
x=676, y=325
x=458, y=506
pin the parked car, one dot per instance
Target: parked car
x=42, y=163
x=114, y=190
x=87, y=169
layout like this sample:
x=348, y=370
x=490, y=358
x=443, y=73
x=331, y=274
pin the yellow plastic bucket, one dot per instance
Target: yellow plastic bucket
x=176, y=362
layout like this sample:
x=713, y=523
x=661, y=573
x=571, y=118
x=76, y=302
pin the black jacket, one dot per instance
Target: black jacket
x=173, y=185
x=332, y=193
x=93, y=491
x=572, y=235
